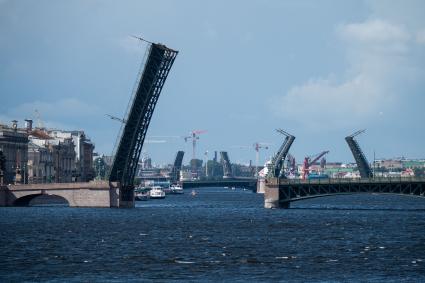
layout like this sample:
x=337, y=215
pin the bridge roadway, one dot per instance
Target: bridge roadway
x=90, y=194
x=279, y=193
x=248, y=183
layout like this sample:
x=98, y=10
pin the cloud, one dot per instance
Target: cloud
x=69, y=109
x=379, y=64
x=375, y=31
x=420, y=37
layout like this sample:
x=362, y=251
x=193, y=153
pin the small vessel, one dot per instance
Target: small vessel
x=193, y=193
x=141, y=193
x=156, y=193
x=176, y=189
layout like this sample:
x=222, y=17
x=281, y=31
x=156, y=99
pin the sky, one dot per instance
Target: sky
x=320, y=70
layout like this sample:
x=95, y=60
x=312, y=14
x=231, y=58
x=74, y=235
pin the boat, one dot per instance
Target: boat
x=141, y=193
x=176, y=189
x=156, y=193
x=193, y=193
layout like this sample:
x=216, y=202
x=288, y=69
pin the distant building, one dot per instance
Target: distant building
x=14, y=151
x=40, y=164
x=84, y=170
x=389, y=164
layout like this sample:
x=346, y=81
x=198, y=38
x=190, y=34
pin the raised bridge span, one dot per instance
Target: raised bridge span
x=279, y=193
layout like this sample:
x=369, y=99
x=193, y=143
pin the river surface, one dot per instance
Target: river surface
x=218, y=235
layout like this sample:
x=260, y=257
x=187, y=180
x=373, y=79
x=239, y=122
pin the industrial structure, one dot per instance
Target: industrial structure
x=194, y=136
x=139, y=113
x=309, y=160
x=257, y=147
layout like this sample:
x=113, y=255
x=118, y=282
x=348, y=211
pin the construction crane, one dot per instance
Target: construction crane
x=116, y=119
x=257, y=147
x=37, y=115
x=309, y=160
x=194, y=136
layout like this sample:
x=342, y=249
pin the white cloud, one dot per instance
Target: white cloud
x=420, y=37
x=70, y=109
x=377, y=30
x=378, y=64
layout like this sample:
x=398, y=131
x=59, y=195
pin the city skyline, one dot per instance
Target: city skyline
x=361, y=66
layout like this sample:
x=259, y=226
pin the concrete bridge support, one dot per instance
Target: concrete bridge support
x=279, y=193
x=91, y=194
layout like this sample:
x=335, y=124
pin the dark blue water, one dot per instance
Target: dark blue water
x=218, y=235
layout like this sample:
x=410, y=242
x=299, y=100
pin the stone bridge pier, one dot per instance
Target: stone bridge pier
x=90, y=194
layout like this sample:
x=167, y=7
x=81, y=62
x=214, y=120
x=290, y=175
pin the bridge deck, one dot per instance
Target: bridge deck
x=281, y=192
x=250, y=183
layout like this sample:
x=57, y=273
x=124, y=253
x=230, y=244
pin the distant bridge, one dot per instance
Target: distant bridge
x=279, y=193
x=90, y=194
x=249, y=183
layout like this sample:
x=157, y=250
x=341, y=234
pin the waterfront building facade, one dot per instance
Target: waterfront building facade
x=83, y=162
x=14, y=153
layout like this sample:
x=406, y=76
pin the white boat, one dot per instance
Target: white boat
x=156, y=193
x=176, y=189
x=141, y=193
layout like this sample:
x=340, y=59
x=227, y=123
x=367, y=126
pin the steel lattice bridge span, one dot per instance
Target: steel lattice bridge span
x=119, y=191
x=246, y=183
x=279, y=193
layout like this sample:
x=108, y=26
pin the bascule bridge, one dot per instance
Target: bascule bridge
x=139, y=113
x=119, y=190
x=280, y=192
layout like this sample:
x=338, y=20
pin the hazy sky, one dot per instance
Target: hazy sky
x=317, y=69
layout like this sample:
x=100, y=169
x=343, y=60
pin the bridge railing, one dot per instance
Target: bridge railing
x=348, y=180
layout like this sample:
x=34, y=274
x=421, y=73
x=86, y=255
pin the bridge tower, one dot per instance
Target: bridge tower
x=177, y=166
x=277, y=164
x=362, y=163
x=139, y=112
x=227, y=167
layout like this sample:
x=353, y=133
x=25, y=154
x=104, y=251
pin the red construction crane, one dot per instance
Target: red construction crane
x=309, y=160
x=194, y=135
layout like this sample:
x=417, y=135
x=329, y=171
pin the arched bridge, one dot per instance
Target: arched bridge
x=91, y=194
x=279, y=193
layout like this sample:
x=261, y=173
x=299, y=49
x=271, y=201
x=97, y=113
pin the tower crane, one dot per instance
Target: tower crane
x=194, y=136
x=309, y=160
x=116, y=118
x=257, y=147
x=37, y=115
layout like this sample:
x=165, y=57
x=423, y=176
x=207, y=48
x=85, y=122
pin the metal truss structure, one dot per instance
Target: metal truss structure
x=227, y=167
x=141, y=107
x=177, y=166
x=277, y=164
x=294, y=190
x=362, y=163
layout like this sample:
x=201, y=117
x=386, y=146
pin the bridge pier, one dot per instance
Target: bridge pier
x=279, y=193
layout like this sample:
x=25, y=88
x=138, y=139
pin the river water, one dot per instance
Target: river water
x=218, y=235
